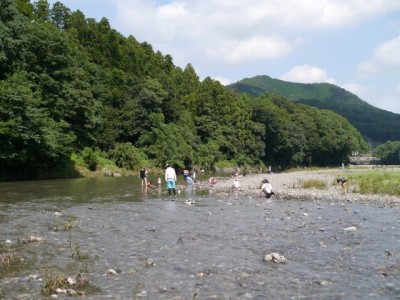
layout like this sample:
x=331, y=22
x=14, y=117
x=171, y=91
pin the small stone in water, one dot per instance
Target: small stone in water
x=275, y=258
x=111, y=272
x=61, y=291
x=351, y=228
x=149, y=262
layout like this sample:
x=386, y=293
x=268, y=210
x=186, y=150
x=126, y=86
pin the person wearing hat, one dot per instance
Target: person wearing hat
x=266, y=188
x=170, y=179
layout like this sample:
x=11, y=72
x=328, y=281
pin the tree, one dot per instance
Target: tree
x=30, y=139
x=59, y=15
x=42, y=10
x=389, y=153
x=12, y=29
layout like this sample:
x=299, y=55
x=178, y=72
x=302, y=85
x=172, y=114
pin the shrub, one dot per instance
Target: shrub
x=90, y=158
x=127, y=156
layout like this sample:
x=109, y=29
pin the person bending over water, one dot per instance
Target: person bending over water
x=267, y=189
x=342, y=181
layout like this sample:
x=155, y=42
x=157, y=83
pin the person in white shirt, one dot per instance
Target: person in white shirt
x=170, y=179
x=236, y=184
x=266, y=188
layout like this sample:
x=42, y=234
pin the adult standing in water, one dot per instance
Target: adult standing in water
x=143, y=176
x=170, y=179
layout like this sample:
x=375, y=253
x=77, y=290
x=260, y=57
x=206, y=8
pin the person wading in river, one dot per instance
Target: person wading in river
x=170, y=179
x=143, y=176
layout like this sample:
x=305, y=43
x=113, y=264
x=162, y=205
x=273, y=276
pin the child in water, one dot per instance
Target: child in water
x=266, y=188
x=235, y=184
x=150, y=184
x=159, y=182
x=212, y=181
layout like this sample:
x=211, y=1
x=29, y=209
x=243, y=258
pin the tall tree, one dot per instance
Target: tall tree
x=59, y=14
x=42, y=10
x=12, y=29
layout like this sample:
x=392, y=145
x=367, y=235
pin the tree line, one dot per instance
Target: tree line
x=74, y=87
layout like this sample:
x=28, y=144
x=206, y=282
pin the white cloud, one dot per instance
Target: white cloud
x=231, y=32
x=149, y=22
x=223, y=81
x=253, y=49
x=307, y=74
x=386, y=58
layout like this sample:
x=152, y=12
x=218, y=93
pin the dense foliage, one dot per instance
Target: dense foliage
x=70, y=85
x=389, y=153
x=376, y=125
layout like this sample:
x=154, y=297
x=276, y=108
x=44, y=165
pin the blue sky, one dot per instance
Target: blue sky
x=354, y=44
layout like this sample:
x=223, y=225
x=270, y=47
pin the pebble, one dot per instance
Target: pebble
x=350, y=229
x=149, y=262
x=275, y=258
x=111, y=272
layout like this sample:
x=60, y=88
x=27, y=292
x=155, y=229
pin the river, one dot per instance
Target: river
x=126, y=242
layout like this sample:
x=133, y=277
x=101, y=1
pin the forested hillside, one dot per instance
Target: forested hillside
x=376, y=125
x=75, y=90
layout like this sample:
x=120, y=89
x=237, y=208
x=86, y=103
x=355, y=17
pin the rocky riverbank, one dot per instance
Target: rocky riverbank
x=288, y=185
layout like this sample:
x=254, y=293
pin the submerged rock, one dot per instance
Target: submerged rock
x=275, y=258
x=111, y=272
x=149, y=262
x=350, y=229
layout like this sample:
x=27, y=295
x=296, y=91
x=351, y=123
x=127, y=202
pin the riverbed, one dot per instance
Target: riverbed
x=129, y=242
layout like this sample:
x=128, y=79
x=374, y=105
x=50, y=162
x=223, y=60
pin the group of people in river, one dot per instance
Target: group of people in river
x=170, y=178
x=190, y=178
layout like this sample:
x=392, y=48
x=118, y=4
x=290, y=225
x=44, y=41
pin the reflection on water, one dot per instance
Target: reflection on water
x=215, y=247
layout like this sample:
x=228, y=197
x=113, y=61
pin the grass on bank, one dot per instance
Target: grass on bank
x=311, y=184
x=377, y=182
x=374, y=180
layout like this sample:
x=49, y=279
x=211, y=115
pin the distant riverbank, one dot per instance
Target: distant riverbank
x=292, y=185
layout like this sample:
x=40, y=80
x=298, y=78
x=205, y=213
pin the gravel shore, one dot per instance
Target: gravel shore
x=287, y=185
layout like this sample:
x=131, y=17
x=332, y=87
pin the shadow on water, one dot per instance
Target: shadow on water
x=205, y=241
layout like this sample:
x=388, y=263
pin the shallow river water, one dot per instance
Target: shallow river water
x=213, y=249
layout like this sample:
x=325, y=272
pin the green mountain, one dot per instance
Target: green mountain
x=376, y=125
